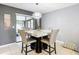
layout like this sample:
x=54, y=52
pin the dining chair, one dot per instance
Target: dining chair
x=26, y=41
x=51, y=41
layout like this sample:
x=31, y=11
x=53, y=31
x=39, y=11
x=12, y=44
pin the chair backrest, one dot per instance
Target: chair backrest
x=23, y=35
x=53, y=36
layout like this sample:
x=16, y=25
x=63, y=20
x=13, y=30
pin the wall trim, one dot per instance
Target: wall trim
x=60, y=42
x=7, y=45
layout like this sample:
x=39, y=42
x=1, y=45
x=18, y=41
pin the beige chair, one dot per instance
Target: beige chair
x=26, y=41
x=51, y=41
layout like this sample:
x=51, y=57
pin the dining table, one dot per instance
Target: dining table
x=38, y=35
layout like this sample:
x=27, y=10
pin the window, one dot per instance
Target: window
x=24, y=21
x=30, y=24
x=20, y=21
x=19, y=25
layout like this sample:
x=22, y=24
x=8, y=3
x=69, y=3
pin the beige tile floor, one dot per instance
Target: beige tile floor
x=15, y=49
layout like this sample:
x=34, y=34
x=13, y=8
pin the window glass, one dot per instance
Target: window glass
x=31, y=24
x=28, y=23
x=20, y=22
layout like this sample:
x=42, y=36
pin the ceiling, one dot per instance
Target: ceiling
x=41, y=7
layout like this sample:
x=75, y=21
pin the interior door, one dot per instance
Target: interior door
x=7, y=28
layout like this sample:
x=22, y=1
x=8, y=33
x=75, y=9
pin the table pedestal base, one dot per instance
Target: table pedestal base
x=37, y=47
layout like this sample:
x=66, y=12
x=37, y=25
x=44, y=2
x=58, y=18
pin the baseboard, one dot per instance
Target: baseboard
x=6, y=45
x=18, y=41
x=60, y=42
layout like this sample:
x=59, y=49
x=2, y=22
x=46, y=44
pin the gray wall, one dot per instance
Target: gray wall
x=9, y=36
x=67, y=20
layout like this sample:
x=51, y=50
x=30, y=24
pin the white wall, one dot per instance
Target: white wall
x=67, y=20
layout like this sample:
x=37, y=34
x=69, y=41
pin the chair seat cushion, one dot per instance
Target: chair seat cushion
x=31, y=41
x=45, y=41
x=28, y=42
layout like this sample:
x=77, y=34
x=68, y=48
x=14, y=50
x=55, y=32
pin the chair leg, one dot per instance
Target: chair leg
x=42, y=45
x=49, y=50
x=26, y=50
x=22, y=48
x=55, y=47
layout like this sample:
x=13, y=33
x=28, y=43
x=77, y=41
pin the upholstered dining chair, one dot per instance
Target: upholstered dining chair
x=26, y=41
x=51, y=41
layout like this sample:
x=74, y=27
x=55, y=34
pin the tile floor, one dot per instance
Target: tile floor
x=15, y=49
